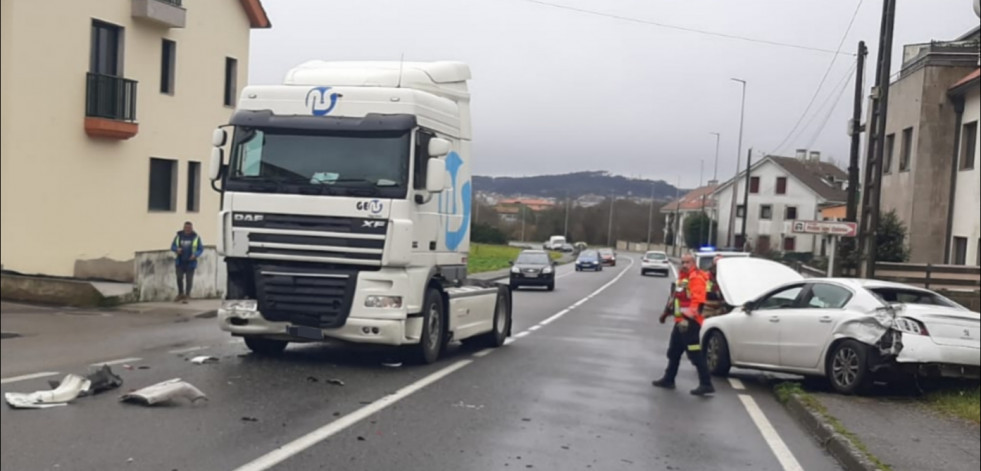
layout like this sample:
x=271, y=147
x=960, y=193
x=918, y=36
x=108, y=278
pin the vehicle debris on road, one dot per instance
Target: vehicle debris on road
x=68, y=390
x=165, y=391
x=200, y=360
x=102, y=379
x=335, y=382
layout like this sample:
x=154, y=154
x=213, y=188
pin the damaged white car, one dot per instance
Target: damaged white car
x=850, y=331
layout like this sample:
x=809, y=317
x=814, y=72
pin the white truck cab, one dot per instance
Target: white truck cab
x=346, y=208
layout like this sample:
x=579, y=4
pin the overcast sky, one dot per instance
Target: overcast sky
x=556, y=90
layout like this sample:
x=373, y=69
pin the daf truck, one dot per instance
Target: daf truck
x=346, y=209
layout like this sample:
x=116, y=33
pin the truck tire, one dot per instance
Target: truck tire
x=264, y=346
x=433, y=327
x=502, y=323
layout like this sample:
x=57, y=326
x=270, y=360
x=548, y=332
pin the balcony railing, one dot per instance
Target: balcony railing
x=110, y=97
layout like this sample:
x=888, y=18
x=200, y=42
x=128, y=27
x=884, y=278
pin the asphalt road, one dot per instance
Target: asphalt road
x=570, y=391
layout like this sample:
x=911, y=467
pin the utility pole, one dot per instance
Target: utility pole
x=701, y=183
x=677, y=215
x=855, y=131
x=566, y=232
x=650, y=217
x=739, y=152
x=521, y=212
x=877, y=127
x=749, y=162
x=715, y=207
x=609, y=231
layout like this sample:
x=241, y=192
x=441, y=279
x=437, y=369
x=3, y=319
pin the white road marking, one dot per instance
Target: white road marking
x=117, y=362
x=534, y=328
x=484, y=353
x=737, y=384
x=236, y=340
x=299, y=445
x=553, y=318
x=14, y=379
x=186, y=350
x=509, y=341
x=674, y=271
x=770, y=435
x=521, y=334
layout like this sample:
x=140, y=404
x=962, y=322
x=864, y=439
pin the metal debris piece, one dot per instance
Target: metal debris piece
x=102, y=379
x=67, y=391
x=204, y=359
x=335, y=382
x=463, y=405
x=249, y=419
x=165, y=391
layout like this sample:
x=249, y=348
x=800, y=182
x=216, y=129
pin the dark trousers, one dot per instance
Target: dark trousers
x=185, y=280
x=687, y=342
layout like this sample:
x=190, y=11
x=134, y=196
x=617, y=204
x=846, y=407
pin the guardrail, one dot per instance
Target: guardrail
x=930, y=276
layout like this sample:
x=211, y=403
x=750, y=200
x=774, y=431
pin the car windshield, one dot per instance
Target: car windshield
x=532, y=259
x=605, y=252
x=655, y=256
x=912, y=296
x=590, y=255
x=292, y=161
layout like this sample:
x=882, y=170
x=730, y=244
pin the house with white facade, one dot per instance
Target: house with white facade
x=964, y=224
x=781, y=190
x=695, y=201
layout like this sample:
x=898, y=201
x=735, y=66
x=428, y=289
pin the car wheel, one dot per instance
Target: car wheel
x=847, y=368
x=717, y=353
x=502, y=323
x=431, y=342
x=264, y=346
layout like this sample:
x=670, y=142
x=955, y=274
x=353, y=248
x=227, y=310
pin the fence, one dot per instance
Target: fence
x=930, y=276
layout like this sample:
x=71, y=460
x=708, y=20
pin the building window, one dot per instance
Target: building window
x=790, y=214
x=906, y=151
x=168, y=64
x=231, y=80
x=969, y=145
x=740, y=211
x=789, y=244
x=766, y=211
x=781, y=185
x=754, y=185
x=105, y=56
x=163, y=182
x=421, y=159
x=888, y=153
x=960, y=250
x=193, y=187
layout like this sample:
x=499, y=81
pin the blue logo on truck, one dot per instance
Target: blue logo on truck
x=454, y=237
x=317, y=99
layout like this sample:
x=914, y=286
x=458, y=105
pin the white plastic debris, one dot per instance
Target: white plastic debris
x=165, y=391
x=204, y=359
x=67, y=391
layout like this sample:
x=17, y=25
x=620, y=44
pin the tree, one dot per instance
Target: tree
x=696, y=230
x=486, y=234
x=890, y=239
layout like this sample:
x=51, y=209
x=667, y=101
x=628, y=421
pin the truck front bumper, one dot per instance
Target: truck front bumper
x=246, y=322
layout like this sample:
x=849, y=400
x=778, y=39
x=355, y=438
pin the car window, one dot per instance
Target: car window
x=827, y=296
x=782, y=299
x=655, y=256
x=533, y=259
x=912, y=296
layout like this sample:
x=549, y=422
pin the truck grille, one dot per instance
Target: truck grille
x=305, y=296
x=324, y=239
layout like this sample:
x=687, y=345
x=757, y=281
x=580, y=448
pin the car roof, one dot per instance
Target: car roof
x=532, y=251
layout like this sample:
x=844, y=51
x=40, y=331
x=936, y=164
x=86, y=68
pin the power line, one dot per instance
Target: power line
x=823, y=79
x=692, y=30
x=818, y=112
x=831, y=110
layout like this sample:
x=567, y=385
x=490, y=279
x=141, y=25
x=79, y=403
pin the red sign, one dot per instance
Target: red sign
x=835, y=228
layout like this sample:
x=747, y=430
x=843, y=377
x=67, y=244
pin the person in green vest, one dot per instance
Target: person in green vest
x=188, y=247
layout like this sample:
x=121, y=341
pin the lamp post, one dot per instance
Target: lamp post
x=739, y=152
x=715, y=177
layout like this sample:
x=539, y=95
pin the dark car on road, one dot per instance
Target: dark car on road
x=533, y=268
x=608, y=257
x=589, y=260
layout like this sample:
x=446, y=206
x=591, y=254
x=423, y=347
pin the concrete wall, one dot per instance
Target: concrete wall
x=798, y=195
x=967, y=198
x=905, y=97
x=67, y=196
x=156, y=276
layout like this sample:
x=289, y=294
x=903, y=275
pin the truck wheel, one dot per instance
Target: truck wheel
x=502, y=323
x=264, y=346
x=847, y=370
x=431, y=342
x=717, y=353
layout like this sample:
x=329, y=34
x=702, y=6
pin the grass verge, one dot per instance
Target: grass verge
x=786, y=390
x=964, y=403
x=484, y=258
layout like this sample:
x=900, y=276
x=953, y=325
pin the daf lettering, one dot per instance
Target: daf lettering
x=239, y=217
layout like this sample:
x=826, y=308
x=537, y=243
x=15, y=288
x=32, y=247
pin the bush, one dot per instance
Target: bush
x=486, y=234
x=890, y=239
x=696, y=230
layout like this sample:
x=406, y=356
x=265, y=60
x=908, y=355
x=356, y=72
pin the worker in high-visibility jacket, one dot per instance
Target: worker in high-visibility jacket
x=688, y=297
x=714, y=302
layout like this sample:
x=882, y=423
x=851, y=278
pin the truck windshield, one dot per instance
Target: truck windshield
x=288, y=161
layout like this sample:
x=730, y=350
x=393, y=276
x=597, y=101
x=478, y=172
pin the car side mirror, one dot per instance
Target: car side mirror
x=748, y=307
x=511, y=262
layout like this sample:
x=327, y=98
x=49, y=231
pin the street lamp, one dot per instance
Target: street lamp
x=735, y=178
x=715, y=177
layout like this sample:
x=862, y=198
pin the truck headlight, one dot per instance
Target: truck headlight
x=383, y=302
x=547, y=270
x=515, y=270
x=239, y=305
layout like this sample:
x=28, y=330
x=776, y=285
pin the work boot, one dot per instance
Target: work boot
x=663, y=383
x=703, y=390
x=179, y=298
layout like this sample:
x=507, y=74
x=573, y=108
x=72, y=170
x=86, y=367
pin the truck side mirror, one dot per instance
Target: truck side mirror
x=218, y=137
x=217, y=163
x=435, y=175
x=438, y=147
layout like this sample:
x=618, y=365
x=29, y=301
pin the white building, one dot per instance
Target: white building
x=781, y=190
x=965, y=223
x=696, y=201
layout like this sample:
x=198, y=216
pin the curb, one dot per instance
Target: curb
x=849, y=456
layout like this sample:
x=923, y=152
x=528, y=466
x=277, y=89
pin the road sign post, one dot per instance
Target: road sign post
x=835, y=229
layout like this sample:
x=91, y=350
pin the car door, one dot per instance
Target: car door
x=757, y=334
x=807, y=330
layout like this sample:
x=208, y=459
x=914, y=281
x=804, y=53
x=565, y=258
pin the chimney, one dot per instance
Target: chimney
x=815, y=156
x=801, y=154
x=712, y=183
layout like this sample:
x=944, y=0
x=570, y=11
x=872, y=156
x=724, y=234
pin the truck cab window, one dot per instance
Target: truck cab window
x=421, y=159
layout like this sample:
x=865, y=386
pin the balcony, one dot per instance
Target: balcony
x=110, y=106
x=167, y=13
